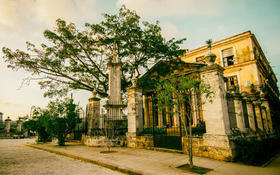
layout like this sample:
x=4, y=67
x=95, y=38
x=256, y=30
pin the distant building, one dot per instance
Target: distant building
x=1, y=117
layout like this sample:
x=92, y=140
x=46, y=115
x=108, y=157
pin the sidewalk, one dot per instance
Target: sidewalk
x=141, y=161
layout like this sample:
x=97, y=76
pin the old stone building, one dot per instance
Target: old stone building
x=251, y=85
x=246, y=101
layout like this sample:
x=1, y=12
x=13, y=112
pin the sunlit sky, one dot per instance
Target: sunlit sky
x=196, y=20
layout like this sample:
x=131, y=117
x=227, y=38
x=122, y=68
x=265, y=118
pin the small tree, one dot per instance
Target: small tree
x=58, y=120
x=64, y=118
x=29, y=125
x=177, y=91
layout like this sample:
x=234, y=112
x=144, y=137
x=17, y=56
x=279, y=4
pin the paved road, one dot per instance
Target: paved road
x=16, y=159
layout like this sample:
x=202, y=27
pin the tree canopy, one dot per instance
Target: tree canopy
x=58, y=119
x=77, y=59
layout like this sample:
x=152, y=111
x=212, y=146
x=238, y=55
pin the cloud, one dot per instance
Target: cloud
x=225, y=30
x=7, y=13
x=169, y=30
x=44, y=12
x=173, y=8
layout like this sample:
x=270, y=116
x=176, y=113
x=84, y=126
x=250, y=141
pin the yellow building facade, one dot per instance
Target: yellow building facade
x=247, y=73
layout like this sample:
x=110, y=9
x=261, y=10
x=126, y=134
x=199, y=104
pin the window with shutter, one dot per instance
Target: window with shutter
x=232, y=81
x=228, y=57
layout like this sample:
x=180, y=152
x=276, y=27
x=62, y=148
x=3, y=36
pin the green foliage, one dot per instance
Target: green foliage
x=253, y=151
x=156, y=130
x=198, y=130
x=58, y=120
x=74, y=59
x=2, y=125
x=176, y=90
x=64, y=119
x=30, y=125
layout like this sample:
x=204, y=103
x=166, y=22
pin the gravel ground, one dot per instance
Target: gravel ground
x=20, y=160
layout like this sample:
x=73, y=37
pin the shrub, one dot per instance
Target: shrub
x=253, y=151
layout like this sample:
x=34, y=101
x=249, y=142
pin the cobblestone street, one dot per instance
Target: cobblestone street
x=17, y=159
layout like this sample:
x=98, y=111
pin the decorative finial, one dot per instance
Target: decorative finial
x=209, y=57
x=209, y=43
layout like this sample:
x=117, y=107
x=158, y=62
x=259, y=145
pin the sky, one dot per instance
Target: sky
x=196, y=20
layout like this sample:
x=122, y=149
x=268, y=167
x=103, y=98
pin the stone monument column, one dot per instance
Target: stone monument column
x=114, y=104
x=135, y=106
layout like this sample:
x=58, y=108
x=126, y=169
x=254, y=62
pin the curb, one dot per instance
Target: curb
x=106, y=165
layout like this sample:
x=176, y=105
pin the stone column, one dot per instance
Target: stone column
x=194, y=109
x=264, y=119
x=8, y=125
x=215, y=113
x=134, y=106
x=160, y=118
x=96, y=113
x=251, y=115
x=258, y=115
x=146, y=111
x=266, y=105
x=90, y=116
x=176, y=116
x=239, y=113
x=19, y=127
x=150, y=112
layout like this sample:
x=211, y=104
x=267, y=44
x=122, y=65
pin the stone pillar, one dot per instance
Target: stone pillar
x=176, y=116
x=134, y=106
x=19, y=126
x=194, y=109
x=8, y=125
x=264, y=117
x=251, y=115
x=160, y=118
x=146, y=111
x=215, y=113
x=259, y=115
x=96, y=113
x=90, y=116
x=150, y=112
x=239, y=114
x=268, y=115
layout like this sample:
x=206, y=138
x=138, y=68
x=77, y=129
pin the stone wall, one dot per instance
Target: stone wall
x=140, y=141
x=202, y=148
x=102, y=141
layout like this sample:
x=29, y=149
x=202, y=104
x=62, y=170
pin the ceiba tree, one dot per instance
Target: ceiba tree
x=73, y=59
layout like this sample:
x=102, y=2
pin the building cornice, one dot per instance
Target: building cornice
x=216, y=44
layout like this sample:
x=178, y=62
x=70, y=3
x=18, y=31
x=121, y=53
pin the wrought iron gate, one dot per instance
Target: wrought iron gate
x=167, y=129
